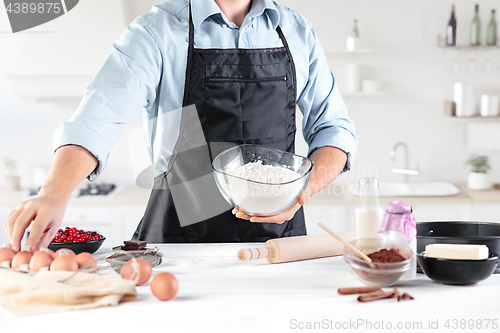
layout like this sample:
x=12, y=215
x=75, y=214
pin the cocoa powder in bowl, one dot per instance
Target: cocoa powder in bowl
x=385, y=255
x=390, y=261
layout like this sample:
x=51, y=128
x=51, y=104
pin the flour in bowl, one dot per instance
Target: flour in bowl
x=270, y=195
x=264, y=173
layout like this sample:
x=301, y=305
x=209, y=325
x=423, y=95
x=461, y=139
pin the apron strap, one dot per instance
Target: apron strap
x=285, y=44
x=189, y=59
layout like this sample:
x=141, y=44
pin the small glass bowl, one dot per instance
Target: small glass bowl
x=381, y=274
x=257, y=198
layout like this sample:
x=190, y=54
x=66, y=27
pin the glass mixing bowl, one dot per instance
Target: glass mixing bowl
x=257, y=198
x=378, y=274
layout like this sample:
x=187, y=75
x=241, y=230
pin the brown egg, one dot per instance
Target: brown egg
x=21, y=258
x=137, y=270
x=39, y=260
x=164, y=286
x=68, y=252
x=49, y=251
x=64, y=263
x=86, y=261
x=6, y=254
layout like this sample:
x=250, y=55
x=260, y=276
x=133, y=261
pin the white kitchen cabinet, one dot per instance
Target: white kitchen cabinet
x=132, y=215
x=486, y=212
x=442, y=212
x=333, y=216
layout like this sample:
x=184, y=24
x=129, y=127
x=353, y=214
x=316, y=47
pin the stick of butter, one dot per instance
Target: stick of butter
x=457, y=251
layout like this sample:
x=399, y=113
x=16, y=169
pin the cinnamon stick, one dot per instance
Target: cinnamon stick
x=357, y=290
x=397, y=293
x=376, y=295
x=406, y=295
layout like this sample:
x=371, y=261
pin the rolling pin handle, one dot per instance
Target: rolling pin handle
x=253, y=254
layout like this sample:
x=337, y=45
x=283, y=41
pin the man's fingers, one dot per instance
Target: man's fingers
x=11, y=219
x=244, y=216
x=47, y=238
x=20, y=225
x=41, y=225
x=278, y=218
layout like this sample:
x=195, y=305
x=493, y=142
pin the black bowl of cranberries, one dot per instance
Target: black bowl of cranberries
x=77, y=240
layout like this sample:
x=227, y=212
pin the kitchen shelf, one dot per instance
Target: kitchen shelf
x=468, y=47
x=475, y=119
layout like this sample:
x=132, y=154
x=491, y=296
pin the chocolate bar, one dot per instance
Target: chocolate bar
x=135, y=242
x=132, y=248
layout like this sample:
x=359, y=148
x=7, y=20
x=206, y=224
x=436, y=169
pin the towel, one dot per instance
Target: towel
x=24, y=294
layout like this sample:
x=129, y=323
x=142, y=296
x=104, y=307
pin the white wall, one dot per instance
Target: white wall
x=416, y=74
x=77, y=43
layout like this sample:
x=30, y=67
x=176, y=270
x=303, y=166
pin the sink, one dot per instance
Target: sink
x=415, y=189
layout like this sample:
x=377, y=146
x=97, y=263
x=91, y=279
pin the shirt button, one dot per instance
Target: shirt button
x=253, y=25
x=224, y=25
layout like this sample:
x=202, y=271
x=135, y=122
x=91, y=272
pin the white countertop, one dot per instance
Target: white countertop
x=218, y=293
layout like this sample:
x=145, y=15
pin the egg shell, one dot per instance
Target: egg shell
x=21, y=258
x=164, y=286
x=140, y=275
x=64, y=263
x=49, y=251
x=69, y=252
x=86, y=261
x=6, y=254
x=39, y=260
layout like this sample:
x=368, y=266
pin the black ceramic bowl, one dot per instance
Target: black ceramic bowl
x=459, y=232
x=457, y=272
x=79, y=247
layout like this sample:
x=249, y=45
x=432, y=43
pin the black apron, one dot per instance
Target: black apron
x=242, y=96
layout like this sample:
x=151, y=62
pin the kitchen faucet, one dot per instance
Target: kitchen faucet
x=406, y=171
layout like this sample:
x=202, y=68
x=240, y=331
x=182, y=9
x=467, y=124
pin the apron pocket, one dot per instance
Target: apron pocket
x=246, y=102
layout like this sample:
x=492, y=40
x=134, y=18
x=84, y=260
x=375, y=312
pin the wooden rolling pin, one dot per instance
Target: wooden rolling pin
x=297, y=248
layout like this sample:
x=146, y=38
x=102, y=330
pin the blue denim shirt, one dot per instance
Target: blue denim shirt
x=147, y=67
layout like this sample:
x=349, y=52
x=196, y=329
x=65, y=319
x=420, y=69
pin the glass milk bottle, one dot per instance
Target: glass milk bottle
x=368, y=213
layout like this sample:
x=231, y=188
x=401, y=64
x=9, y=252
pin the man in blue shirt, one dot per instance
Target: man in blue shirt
x=246, y=65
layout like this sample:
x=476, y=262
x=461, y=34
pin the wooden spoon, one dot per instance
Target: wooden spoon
x=361, y=254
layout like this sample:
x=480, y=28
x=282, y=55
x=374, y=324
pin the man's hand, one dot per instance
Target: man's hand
x=278, y=218
x=328, y=164
x=70, y=166
x=45, y=212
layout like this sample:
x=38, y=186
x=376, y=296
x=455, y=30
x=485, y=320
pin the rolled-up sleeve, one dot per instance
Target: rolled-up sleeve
x=125, y=84
x=325, y=121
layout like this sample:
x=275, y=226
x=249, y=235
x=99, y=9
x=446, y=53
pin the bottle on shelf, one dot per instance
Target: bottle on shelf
x=451, y=29
x=355, y=31
x=491, y=34
x=368, y=213
x=353, y=41
x=475, y=29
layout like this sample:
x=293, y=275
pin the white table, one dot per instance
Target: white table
x=218, y=293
